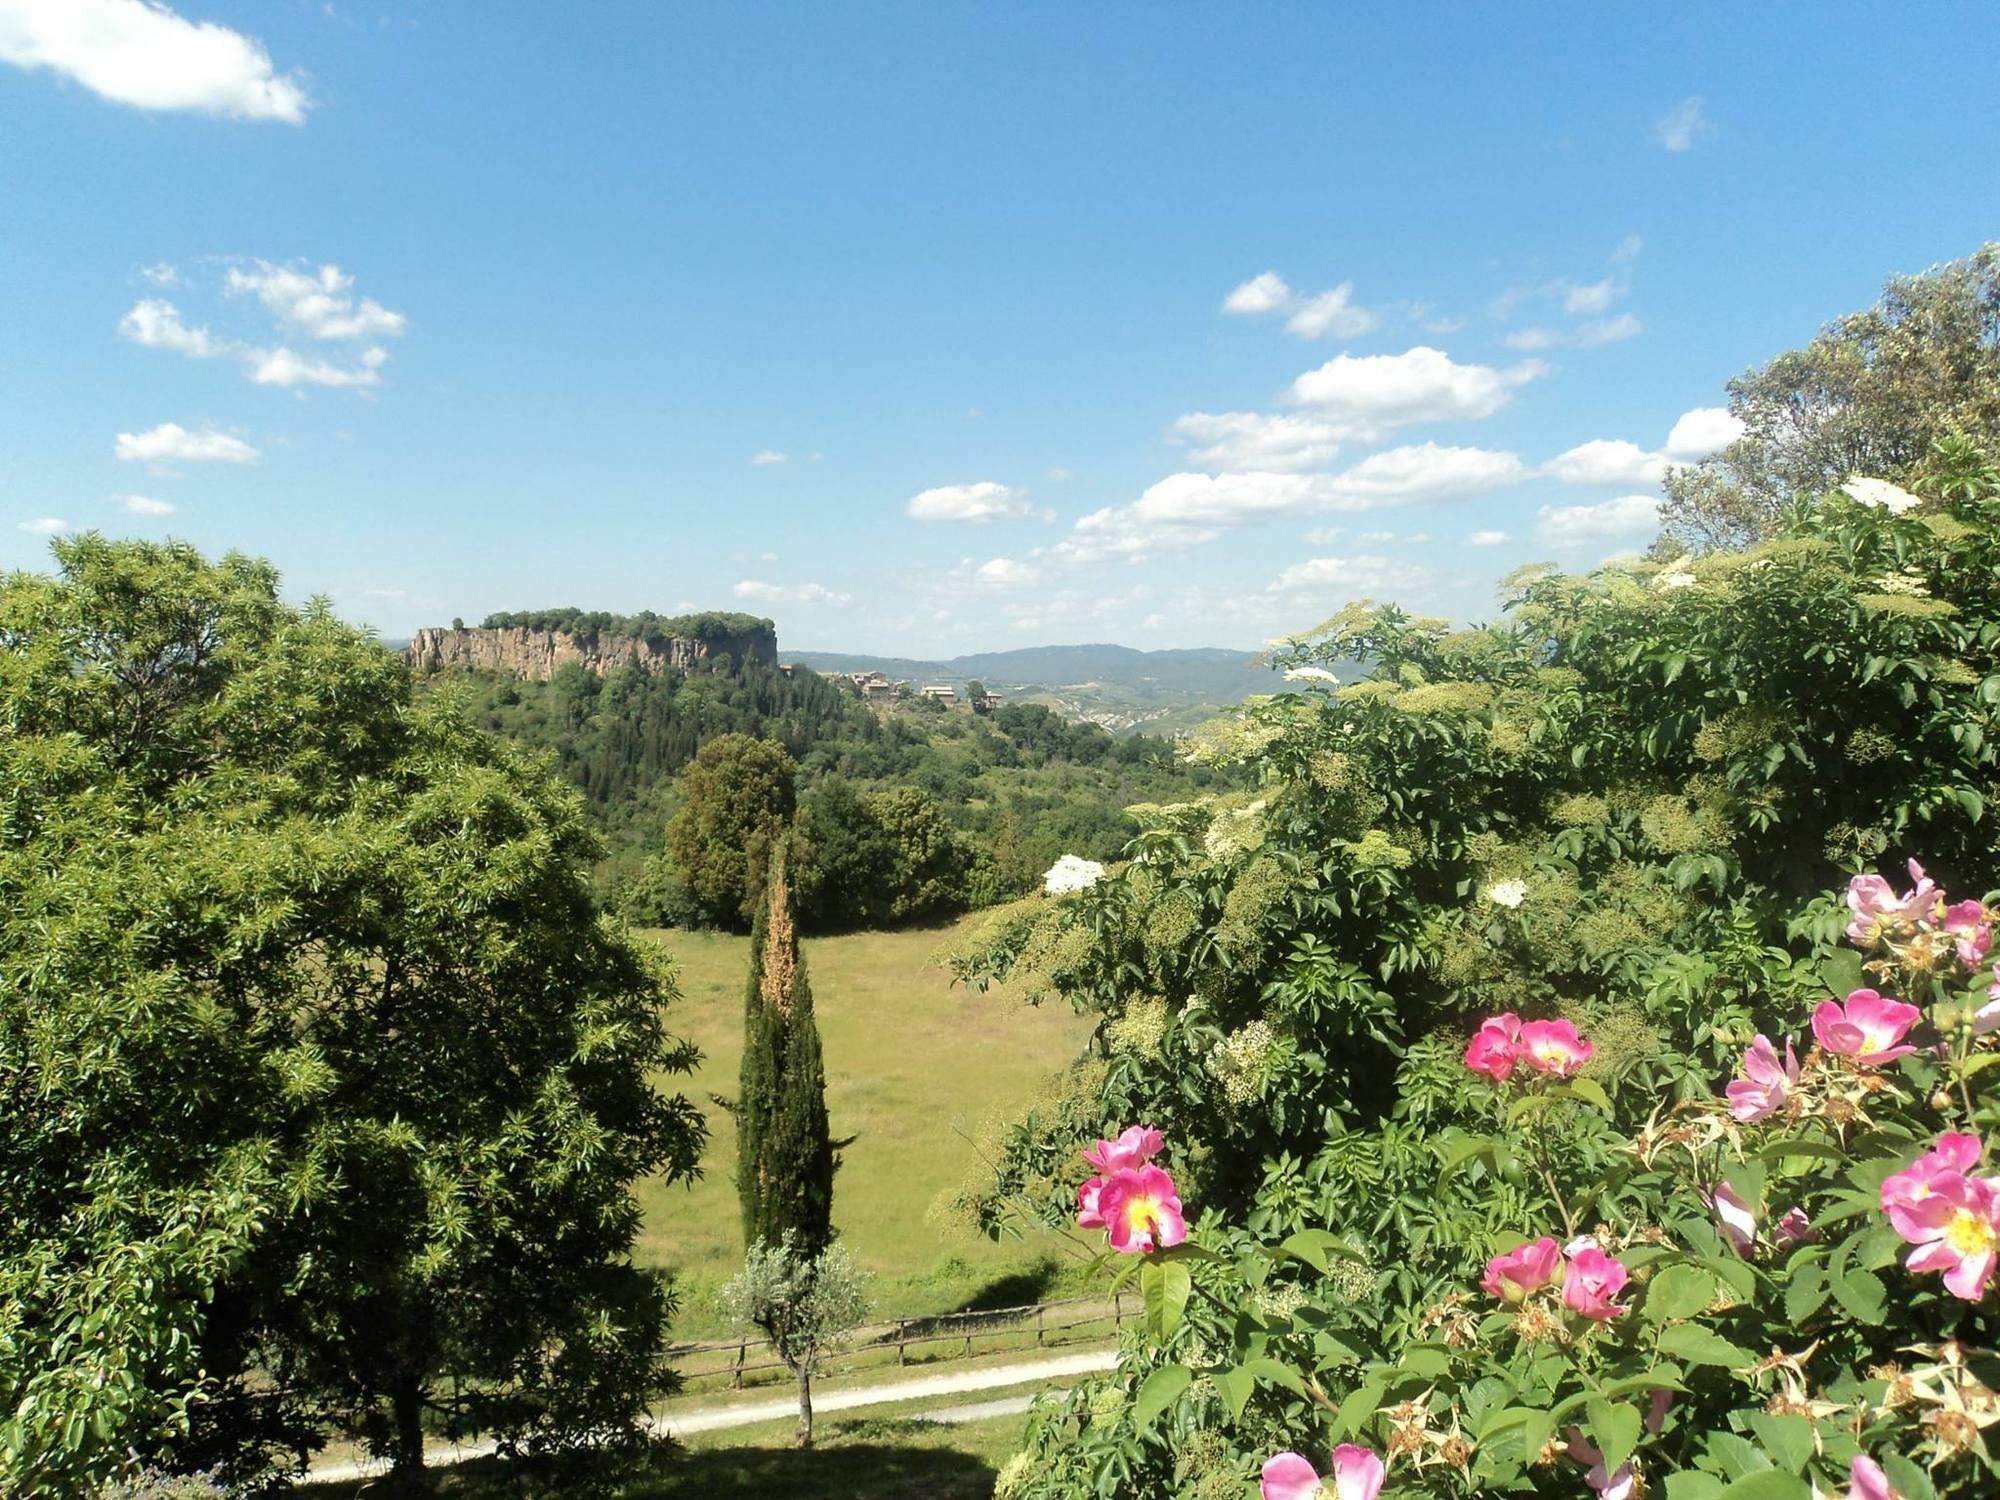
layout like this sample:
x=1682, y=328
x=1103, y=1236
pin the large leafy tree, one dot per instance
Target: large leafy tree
x=1869, y=395
x=737, y=796
x=324, y=1087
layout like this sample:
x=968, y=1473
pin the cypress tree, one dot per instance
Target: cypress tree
x=784, y=1150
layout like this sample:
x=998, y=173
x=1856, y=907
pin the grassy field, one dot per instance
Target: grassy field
x=913, y=1067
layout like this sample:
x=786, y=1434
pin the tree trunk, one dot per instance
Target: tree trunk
x=406, y=1470
x=805, y=1406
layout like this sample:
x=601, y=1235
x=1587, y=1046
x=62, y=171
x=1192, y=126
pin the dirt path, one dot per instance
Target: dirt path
x=749, y=1414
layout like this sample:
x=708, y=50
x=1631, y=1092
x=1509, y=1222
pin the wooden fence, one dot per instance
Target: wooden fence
x=911, y=1341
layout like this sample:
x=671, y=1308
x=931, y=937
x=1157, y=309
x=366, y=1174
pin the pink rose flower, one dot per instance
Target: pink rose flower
x=1141, y=1210
x=1875, y=907
x=1793, y=1229
x=1736, y=1218
x=1905, y=1193
x=1495, y=1047
x=1866, y=1481
x=1135, y=1147
x=1971, y=933
x=1590, y=1282
x=1357, y=1475
x=1512, y=1276
x=1620, y=1486
x=1956, y=1232
x=1867, y=1028
x=1554, y=1047
x=1087, y=1215
x=1765, y=1084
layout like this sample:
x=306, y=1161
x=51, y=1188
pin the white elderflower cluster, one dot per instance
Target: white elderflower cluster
x=1909, y=583
x=1310, y=674
x=1238, y=1060
x=1507, y=893
x=1072, y=873
x=1880, y=494
x=1676, y=580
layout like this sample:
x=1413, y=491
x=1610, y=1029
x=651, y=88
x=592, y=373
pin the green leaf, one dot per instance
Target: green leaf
x=1234, y=1386
x=1863, y=1295
x=1769, y=1484
x=1678, y=1292
x=1909, y=1480
x=1592, y=1092
x=1166, y=1286
x=1840, y=972
x=1692, y=1484
x=1278, y=1373
x=1161, y=1390
x=1700, y=1346
x=1805, y=1296
x=1358, y=1407
x=1614, y=1427
x=1315, y=1246
x=1788, y=1438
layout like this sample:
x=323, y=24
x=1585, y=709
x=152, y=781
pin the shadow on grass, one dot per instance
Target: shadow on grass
x=858, y=1460
x=1021, y=1287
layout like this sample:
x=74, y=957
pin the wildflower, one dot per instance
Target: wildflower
x=1590, y=1282
x=1905, y=1193
x=1735, y=1217
x=1953, y=1219
x=1357, y=1475
x=1135, y=1147
x=1623, y=1485
x=1970, y=931
x=1512, y=1276
x=1507, y=893
x=1793, y=1229
x=1676, y=580
x=1072, y=873
x=1867, y=1028
x=1495, y=1047
x=1141, y=1210
x=1866, y=1481
x=1310, y=674
x=1879, y=494
x=1878, y=909
x=1765, y=1084
x=1554, y=1047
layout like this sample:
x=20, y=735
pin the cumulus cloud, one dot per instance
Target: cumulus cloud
x=1572, y=525
x=283, y=367
x=1331, y=312
x=157, y=324
x=170, y=442
x=1586, y=335
x=1607, y=461
x=1705, y=430
x=765, y=457
x=1351, y=577
x=1680, y=127
x=1005, y=573
x=1364, y=397
x=161, y=274
x=1596, y=297
x=1422, y=472
x=319, y=303
x=1260, y=294
x=45, y=526
x=139, y=52
x=981, y=502
x=1255, y=440
x=1485, y=538
x=141, y=505
x=790, y=593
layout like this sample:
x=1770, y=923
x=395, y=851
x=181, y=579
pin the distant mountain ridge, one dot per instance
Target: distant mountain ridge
x=1201, y=675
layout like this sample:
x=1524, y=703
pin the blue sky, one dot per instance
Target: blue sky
x=1157, y=324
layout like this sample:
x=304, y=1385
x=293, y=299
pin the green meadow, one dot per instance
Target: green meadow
x=914, y=1068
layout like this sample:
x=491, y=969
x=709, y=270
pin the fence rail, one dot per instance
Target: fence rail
x=912, y=1341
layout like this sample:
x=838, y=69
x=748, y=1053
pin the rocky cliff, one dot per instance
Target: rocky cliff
x=537, y=653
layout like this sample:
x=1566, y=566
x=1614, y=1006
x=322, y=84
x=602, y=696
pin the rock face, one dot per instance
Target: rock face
x=537, y=653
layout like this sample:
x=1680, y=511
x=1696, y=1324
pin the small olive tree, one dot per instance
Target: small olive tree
x=801, y=1304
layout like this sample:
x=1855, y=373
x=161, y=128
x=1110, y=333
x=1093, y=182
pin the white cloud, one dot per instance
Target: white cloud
x=1005, y=573
x=765, y=457
x=1582, y=336
x=1118, y=531
x=140, y=505
x=1325, y=536
x=1256, y=440
x=162, y=274
x=984, y=501
x=139, y=52
x=171, y=442
x=157, y=324
x=45, y=526
x=1423, y=471
x=1596, y=297
x=1058, y=474
x=790, y=593
x=1608, y=461
x=1628, y=249
x=283, y=367
x=1375, y=538
x=1366, y=396
x=1705, y=430
x=319, y=303
x=1350, y=577
x=1680, y=127
x=1331, y=312
x=1486, y=538
x=1570, y=525
x=1260, y=294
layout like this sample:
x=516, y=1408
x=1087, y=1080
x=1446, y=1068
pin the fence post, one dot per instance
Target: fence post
x=902, y=1332
x=1041, y=1312
x=736, y=1379
x=1117, y=1310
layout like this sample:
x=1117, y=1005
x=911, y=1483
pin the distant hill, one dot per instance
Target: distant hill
x=1116, y=686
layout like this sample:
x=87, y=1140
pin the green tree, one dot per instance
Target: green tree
x=737, y=797
x=324, y=1087
x=845, y=858
x=929, y=864
x=800, y=1303
x=1869, y=395
x=785, y=1157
